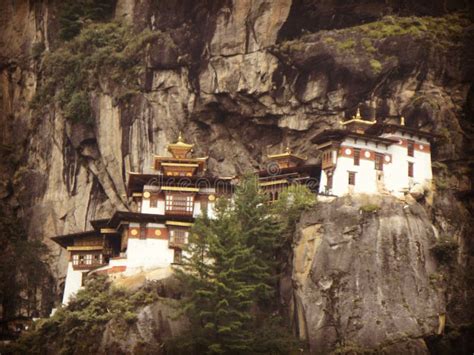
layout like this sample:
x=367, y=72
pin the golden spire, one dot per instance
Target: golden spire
x=402, y=121
x=180, y=149
x=287, y=150
x=358, y=116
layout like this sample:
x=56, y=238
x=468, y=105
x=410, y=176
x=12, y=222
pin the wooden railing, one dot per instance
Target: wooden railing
x=178, y=212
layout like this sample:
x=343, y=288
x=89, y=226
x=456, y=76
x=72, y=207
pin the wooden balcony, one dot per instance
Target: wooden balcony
x=178, y=212
x=88, y=266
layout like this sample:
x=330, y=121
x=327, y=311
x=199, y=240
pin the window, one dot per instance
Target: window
x=204, y=203
x=178, y=256
x=178, y=236
x=329, y=183
x=410, y=169
x=179, y=203
x=352, y=178
x=411, y=148
x=379, y=162
x=75, y=259
x=356, y=156
x=154, y=200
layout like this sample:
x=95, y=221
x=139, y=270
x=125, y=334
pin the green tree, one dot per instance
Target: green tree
x=260, y=230
x=216, y=274
x=24, y=271
x=230, y=274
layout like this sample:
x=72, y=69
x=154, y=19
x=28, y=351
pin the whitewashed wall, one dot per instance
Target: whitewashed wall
x=73, y=283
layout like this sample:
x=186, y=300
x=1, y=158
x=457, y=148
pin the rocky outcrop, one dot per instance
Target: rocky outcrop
x=242, y=79
x=155, y=324
x=364, y=276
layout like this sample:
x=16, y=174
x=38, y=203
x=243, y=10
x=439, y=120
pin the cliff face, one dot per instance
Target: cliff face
x=242, y=79
x=365, y=277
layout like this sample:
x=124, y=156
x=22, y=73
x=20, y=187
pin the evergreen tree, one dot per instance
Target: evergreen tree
x=230, y=274
x=24, y=272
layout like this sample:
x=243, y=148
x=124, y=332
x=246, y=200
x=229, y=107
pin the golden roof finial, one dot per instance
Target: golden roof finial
x=180, y=137
x=358, y=116
x=402, y=121
x=287, y=149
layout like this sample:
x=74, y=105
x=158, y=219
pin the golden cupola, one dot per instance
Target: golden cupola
x=181, y=163
x=358, y=124
x=180, y=149
x=286, y=159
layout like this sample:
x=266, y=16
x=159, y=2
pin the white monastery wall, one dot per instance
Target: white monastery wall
x=73, y=283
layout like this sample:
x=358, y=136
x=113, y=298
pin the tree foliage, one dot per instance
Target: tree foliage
x=231, y=272
x=78, y=327
x=77, y=67
x=74, y=13
x=24, y=271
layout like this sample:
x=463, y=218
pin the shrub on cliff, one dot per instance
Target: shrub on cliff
x=445, y=250
x=78, y=66
x=74, y=13
x=78, y=327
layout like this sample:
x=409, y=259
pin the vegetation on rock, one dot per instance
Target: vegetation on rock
x=445, y=250
x=74, y=13
x=77, y=68
x=78, y=327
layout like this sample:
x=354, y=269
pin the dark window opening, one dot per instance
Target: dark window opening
x=352, y=178
x=329, y=183
x=410, y=169
x=379, y=162
x=154, y=200
x=356, y=156
x=411, y=148
x=178, y=256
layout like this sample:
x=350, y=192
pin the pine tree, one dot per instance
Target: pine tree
x=261, y=231
x=216, y=272
x=230, y=274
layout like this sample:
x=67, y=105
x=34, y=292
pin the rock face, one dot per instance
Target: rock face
x=155, y=324
x=363, y=277
x=242, y=79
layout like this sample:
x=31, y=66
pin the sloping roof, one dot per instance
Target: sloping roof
x=68, y=239
x=340, y=134
x=114, y=222
x=380, y=128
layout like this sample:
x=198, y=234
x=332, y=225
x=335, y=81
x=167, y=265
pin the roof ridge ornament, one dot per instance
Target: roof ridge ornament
x=357, y=115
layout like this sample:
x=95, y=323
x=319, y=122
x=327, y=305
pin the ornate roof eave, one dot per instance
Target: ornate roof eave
x=358, y=120
x=286, y=154
x=199, y=159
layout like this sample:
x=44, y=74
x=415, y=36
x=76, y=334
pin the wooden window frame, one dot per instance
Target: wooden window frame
x=411, y=169
x=177, y=256
x=179, y=203
x=154, y=200
x=357, y=156
x=378, y=161
x=410, y=148
x=351, y=178
x=329, y=180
